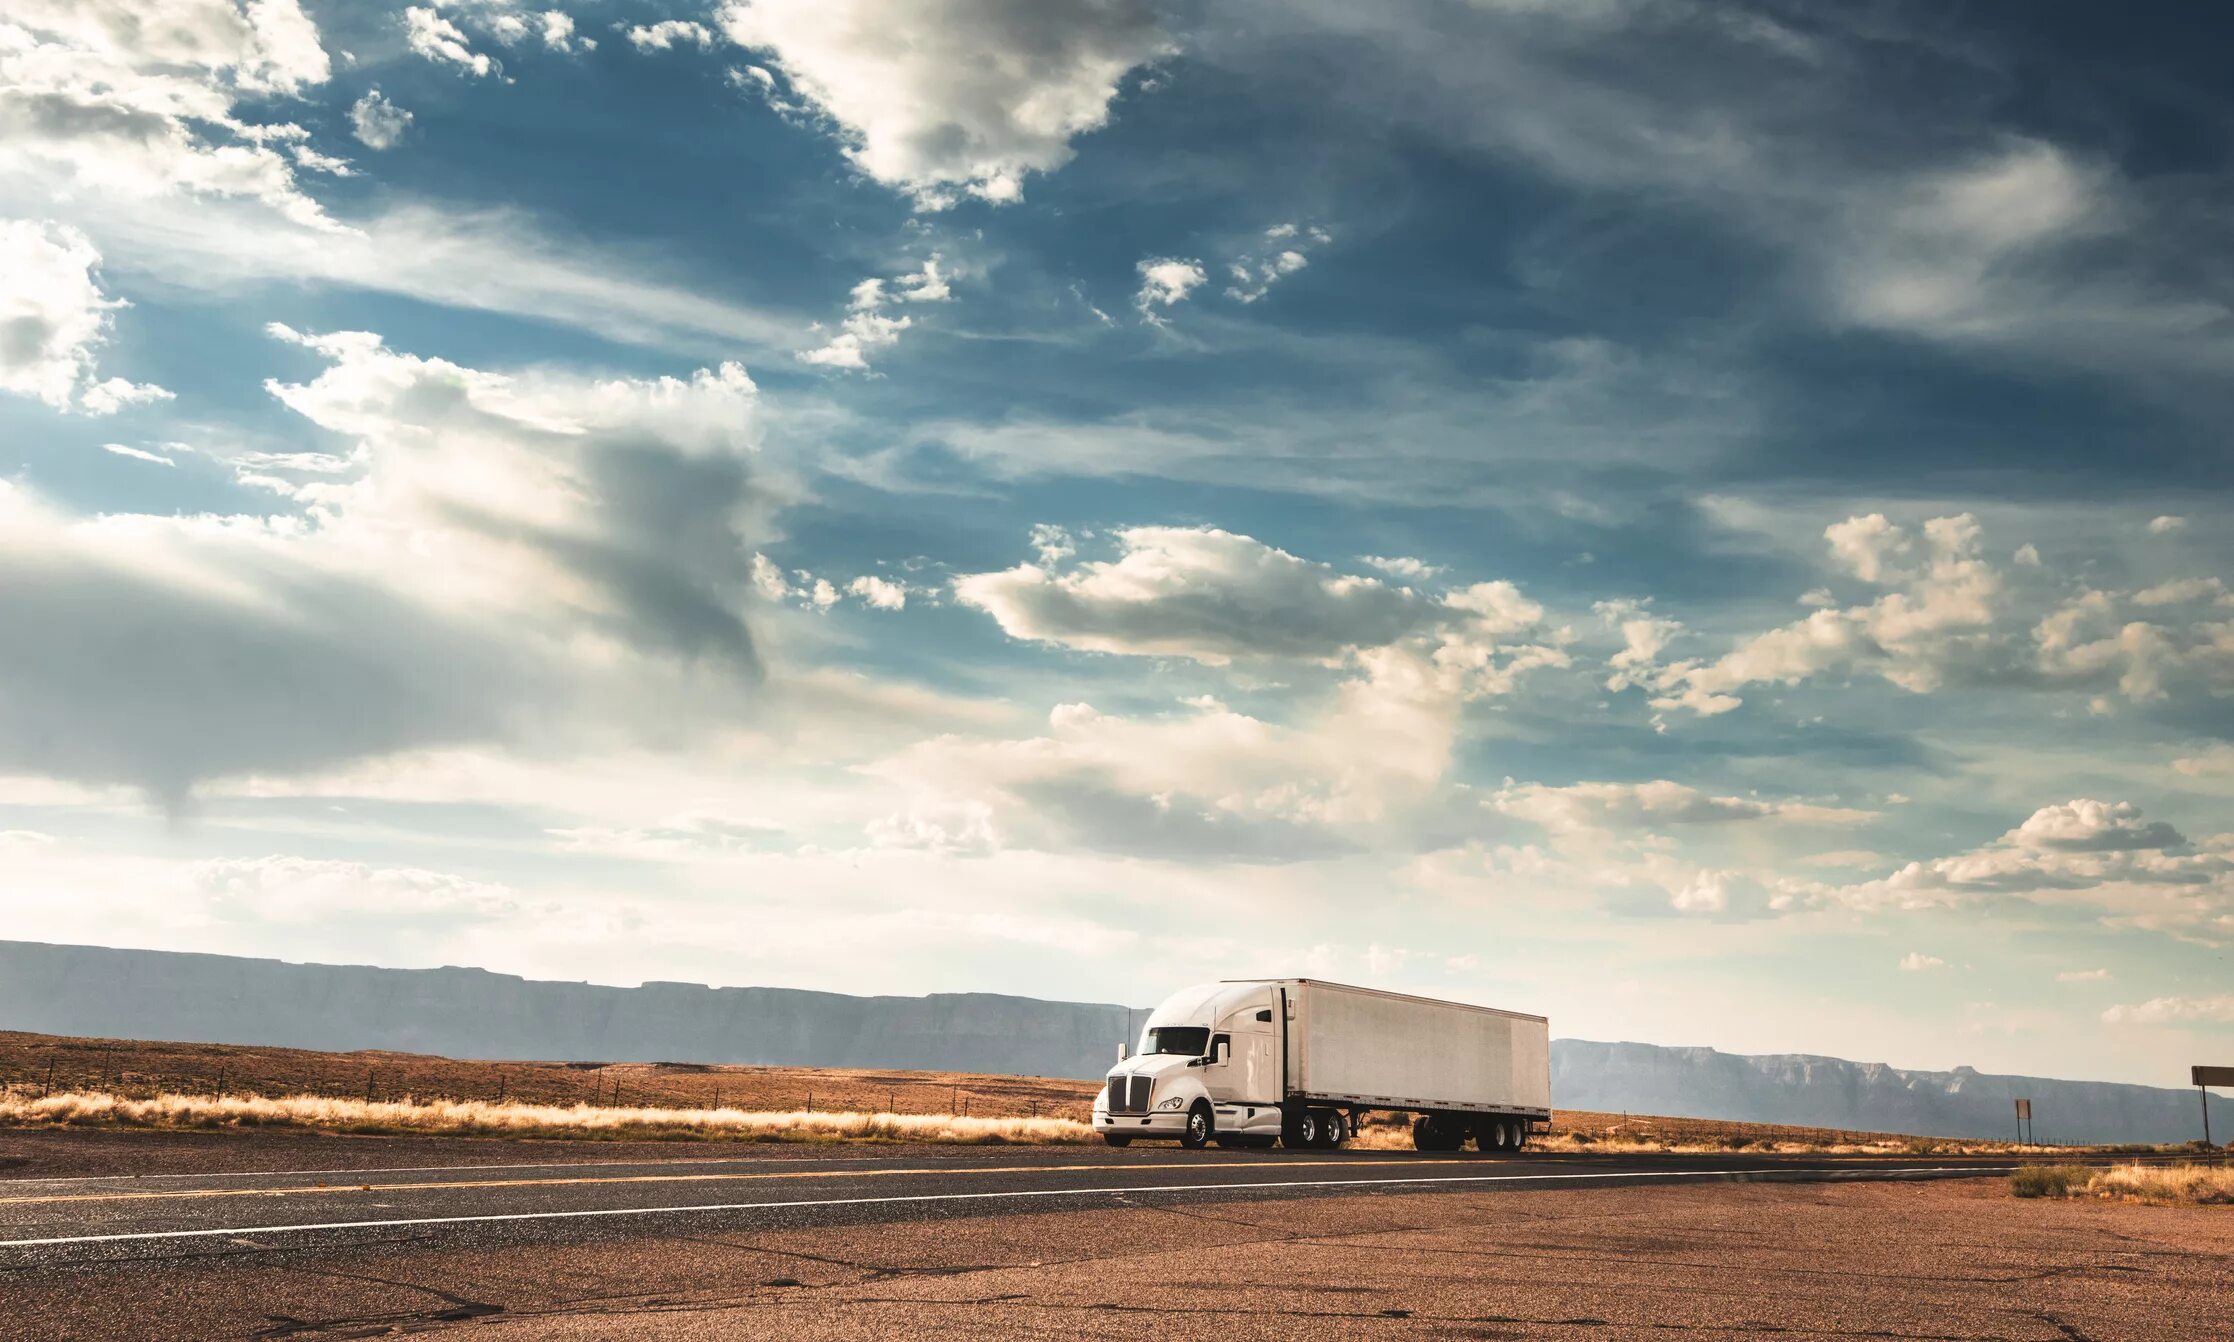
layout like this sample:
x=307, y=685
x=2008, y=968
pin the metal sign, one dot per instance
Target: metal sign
x=2214, y=1076
x=2024, y=1109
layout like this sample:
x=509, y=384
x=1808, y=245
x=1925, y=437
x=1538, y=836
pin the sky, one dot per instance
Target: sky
x=1704, y=521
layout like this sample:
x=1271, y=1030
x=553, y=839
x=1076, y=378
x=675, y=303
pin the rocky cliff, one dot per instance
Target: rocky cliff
x=472, y=1013
x=1832, y=1092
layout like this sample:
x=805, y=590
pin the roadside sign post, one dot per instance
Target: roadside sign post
x=2024, y=1119
x=2205, y=1078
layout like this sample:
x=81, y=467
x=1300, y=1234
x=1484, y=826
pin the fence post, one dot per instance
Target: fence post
x=47, y=1088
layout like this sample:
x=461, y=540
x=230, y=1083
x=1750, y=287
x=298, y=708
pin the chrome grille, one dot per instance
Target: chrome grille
x=1129, y=1094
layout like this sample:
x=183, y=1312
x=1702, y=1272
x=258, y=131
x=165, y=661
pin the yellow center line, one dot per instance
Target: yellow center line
x=297, y=1190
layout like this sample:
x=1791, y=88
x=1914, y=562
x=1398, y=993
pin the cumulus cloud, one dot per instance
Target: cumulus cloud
x=2217, y=1009
x=139, y=101
x=1952, y=619
x=1644, y=806
x=378, y=123
x=2086, y=826
x=669, y=33
x=438, y=39
x=946, y=98
x=533, y=559
x=2102, y=856
x=868, y=328
x=54, y=318
x=1916, y=962
x=1283, y=250
x=1215, y=597
x=1164, y=283
x=2084, y=976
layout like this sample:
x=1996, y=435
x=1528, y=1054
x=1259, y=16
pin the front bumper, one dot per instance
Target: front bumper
x=1169, y=1123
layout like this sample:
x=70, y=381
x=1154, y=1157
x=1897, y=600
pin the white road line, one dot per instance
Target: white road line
x=446, y=1169
x=980, y=1197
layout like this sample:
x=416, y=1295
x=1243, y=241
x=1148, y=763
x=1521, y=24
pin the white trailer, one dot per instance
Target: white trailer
x=1250, y=1062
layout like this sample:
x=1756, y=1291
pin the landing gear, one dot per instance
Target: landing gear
x=1200, y=1127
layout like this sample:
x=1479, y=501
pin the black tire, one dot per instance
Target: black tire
x=1333, y=1130
x=1310, y=1129
x=1119, y=1139
x=1202, y=1125
x=1520, y=1136
x=1430, y=1133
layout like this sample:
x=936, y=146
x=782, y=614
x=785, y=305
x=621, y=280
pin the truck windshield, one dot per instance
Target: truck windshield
x=1187, y=1039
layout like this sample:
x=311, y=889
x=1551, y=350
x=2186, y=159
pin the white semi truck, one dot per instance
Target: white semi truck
x=1251, y=1062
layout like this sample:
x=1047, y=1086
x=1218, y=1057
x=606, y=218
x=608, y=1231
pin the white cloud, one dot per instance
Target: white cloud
x=2084, y=976
x=2086, y=826
x=941, y=98
x=2100, y=856
x=137, y=101
x=1644, y=806
x=537, y=559
x=1400, y=566
x=379, y=124
x=1285, y=249
x=879, y=593
x=1199, y=593
x=1953, y=619
x=138, y=454
x=427, y=32
x=2212, y=1010
x=668, y=33
x=2165, y=526
x=1165, y=282
x=867, y=329
x=2214, y=760
x=1916, y=962
x=54, y=318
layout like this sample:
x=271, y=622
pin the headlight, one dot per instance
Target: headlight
x=1175, y=1102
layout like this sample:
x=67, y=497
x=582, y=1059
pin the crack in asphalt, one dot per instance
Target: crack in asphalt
x=459, y=1308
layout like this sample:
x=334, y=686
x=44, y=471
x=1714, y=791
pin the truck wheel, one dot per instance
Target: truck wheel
x=1520, y=1136
x=1119, y=1139
x=1497, y=1136
x=1333, y=1131
x=1310, y=1129
x=1201, y=1127
x=1430, y=1133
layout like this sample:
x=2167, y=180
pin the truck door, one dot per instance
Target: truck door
x=1255, y=1075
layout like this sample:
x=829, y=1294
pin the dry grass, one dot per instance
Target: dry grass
x=2178, y=1185
x=143, y=1069
x=488, y=1118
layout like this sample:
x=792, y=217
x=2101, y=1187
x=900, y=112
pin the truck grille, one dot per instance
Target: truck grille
x=1129, y=1094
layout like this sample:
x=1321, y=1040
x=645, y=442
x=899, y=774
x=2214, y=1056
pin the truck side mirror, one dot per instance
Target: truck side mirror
x=1123, y=1052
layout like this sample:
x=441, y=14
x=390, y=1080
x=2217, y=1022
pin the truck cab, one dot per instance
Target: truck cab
x=1207, y=1068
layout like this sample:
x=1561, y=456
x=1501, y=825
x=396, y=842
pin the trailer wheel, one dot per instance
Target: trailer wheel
x=1117, y=1138
x=1333, y=1131
x=1201, y=1127
x=1520, y=1135
x=1431, y=1133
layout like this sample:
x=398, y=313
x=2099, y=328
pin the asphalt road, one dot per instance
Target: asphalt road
x=60, y=1223
x=373, y=1240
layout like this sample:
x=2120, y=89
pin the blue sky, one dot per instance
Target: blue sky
x=1706, y=521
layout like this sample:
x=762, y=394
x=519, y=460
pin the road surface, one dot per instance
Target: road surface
x=682, y=1241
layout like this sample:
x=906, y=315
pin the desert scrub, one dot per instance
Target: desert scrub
x=2049, y=1181
x=486, y=1118
x=2174, y=1185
